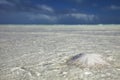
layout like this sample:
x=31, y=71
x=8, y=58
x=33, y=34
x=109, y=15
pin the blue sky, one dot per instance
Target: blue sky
x=59, y=11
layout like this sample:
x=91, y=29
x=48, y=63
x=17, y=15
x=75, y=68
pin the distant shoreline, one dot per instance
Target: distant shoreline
x=50, y=28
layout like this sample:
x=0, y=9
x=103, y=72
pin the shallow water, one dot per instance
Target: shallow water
x=40, y=53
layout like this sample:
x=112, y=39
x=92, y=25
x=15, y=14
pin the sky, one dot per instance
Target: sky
x=59, y=11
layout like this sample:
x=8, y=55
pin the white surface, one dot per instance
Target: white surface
x=40, y=52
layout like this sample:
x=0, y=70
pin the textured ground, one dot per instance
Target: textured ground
x=40, y=52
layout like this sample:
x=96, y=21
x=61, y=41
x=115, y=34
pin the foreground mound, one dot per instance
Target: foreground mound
x=88, y=60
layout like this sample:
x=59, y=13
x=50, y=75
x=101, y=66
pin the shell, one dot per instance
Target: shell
x=87, y=60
